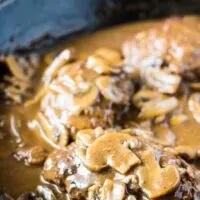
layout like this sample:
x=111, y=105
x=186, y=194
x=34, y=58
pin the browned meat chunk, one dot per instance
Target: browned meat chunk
x=64, y=168
x=173, y=44
x=59, y=164
x=160, y=53
x=105, y=164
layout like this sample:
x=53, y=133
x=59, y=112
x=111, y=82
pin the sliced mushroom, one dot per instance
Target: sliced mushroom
x=156, y=108
x=111, y=55
x=15, y=68
x=73, y=103
x=98, y=64
x=105, y=61
x=160, y=80
x=72, y=69
x=87, y=136
x=87, y=99
x=61, y=103
x=78, y=122
x=75, y=77
x=64, y=57
x=114, y=89
x=144, y=96
x=150, y=137
x=113, y=190
x=54, y=133
x=194, y=106
x=178, y=119
x=72, y=90
x=38, y=96
x=108, y=150
x=66, y=76
x=93, y=192
x=154, y=180
x=73, y=85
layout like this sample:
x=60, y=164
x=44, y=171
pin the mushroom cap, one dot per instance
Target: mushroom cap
x=113, y=190
x=114, y=89
x=107, y=150
x=105, y=61
x=158, y=107
x=154, y=180
x=194, y=106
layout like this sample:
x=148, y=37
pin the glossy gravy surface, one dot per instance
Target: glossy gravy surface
x=15, y=177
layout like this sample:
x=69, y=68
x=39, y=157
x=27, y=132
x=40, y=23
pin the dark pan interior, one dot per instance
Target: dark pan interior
x=37, y=24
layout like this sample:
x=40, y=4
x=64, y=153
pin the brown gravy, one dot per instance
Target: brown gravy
x=15, y=177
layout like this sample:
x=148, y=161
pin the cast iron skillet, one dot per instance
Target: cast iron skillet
x=35, y=25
